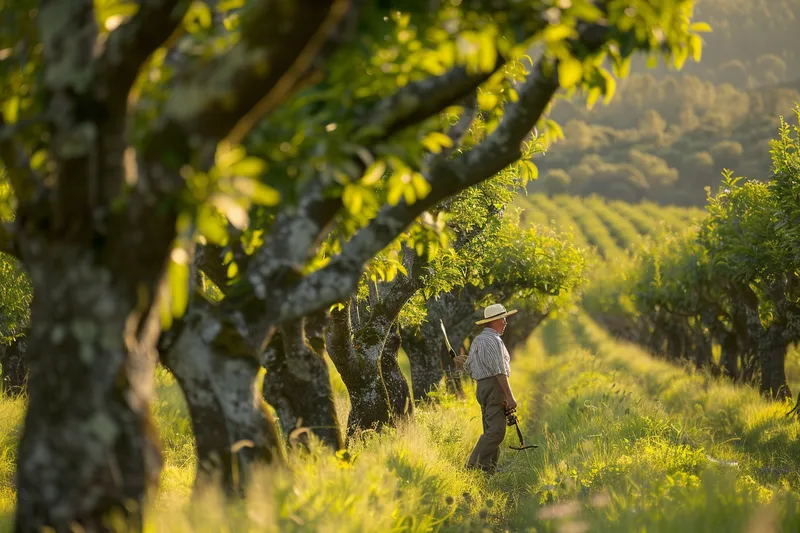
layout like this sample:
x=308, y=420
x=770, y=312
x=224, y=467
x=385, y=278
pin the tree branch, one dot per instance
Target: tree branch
x=297, y=231
x=500, y=149
x=129, y=46
x=279, y=42
x=419, y=100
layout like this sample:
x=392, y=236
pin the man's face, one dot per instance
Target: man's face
x=499, y=325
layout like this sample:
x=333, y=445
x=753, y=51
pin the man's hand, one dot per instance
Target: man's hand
x=459, y=360
x=511, y=403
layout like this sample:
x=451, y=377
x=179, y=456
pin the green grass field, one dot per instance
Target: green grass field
x=627, y=443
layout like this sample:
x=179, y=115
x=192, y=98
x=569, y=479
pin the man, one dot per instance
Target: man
x=488, y=363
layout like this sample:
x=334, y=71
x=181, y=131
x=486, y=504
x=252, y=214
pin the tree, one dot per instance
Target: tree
x=530, y=268
x=125, y=135
x=731, y=282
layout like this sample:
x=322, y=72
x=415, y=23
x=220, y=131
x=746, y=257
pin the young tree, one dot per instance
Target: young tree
x=531, y=268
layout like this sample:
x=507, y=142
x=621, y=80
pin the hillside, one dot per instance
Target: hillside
x=668, y=134
x=608, y=228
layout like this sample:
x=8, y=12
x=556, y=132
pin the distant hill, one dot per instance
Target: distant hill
x=668, y=135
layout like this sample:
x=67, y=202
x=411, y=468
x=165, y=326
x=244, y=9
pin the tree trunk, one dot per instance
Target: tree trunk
x=88, y=452
x=729, y=355
x=462, y=325
x=358, y=363
x=298, y=386
x=396, y=385
x=426, y=365
x=703, y=349
x=13, y=367
x=232, y=427
x=772, y=352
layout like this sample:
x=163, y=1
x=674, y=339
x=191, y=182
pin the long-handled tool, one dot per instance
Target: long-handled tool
x=450, y=349
x=511, y=420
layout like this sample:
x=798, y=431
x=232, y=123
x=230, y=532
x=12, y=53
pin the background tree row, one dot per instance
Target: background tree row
x=723, y=295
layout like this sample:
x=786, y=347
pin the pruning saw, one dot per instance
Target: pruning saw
x=450, y=349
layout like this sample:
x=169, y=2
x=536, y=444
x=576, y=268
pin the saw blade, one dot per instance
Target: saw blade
x=446, y=340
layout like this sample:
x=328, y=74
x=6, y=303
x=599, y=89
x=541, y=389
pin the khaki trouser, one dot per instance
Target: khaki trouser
x=487, y=450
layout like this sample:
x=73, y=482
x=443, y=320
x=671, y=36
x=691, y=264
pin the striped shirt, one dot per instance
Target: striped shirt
x=488, y=356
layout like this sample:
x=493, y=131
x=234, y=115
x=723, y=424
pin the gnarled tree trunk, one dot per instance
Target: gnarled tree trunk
x=88, y=451
x=297, y=385
x=232, y=428
x=13, y=368
x=358, y=362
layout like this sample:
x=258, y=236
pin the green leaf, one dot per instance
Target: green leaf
x=373, y=173
x=200, y=12
x=38, y=159
x=700, y=27
x=592, y=96
x=248, y=167
x=178, y=278
x=558, y=32
x=487, y=101
x=679, y=56
x=228, y=155
x=211, y=226
x=420, y=185
x=610, y=85
x=257, y=192
x=487, y=53
x=435, y=140
x=11, y=110
x=352, y=197
x=696, y=47
x=570, y=71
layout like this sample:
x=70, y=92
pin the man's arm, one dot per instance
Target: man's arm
x=511, y=402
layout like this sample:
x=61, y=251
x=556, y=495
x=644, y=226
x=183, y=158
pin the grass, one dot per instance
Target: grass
x=627, y=443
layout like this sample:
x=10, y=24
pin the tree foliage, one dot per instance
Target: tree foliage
x=732, y=281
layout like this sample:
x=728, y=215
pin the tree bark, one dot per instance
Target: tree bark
x=400, y=399
x=88, y=452
x=729, y=355
x=357, y=358
x=232, y=428
x=772, y=353
x=426, y=366
x=298, y=386
x=13, y=367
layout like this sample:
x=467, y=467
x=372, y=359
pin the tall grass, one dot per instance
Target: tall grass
x=626, y=443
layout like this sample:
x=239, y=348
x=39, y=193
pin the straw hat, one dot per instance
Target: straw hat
x=493, y=312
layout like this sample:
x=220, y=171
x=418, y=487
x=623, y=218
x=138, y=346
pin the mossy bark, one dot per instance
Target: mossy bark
x=233, y=429
x=88, y=452
x=400, y=399
x=297, y=384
